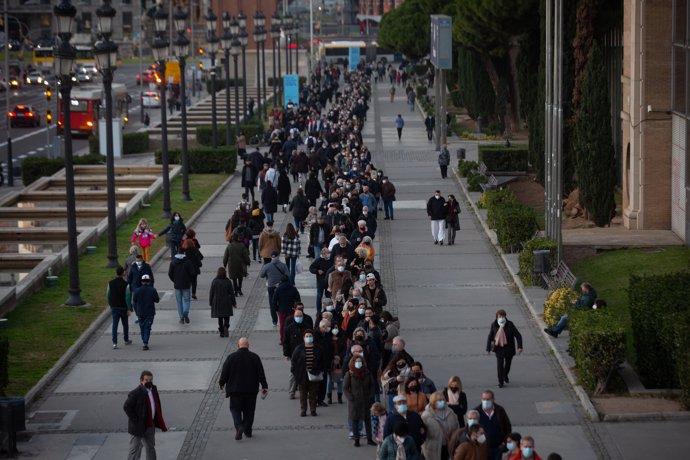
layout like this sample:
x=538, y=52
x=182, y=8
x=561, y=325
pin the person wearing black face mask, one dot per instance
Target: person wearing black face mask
x=143, y=409
x=456, y=398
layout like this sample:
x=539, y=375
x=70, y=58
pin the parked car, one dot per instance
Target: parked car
x=148, y=76
x=150, y=99
x=24, y=115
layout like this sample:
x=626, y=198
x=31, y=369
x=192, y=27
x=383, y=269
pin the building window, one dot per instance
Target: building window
x=127, y=24
x=680, y=56
x=126, y=2
x=86, y=21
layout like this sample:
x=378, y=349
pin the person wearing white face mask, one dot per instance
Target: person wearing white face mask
x=440, y=423
x=475, y=448
x=494, y=419
x=501, y=340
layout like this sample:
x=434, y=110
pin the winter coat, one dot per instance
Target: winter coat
x=273, y=271
x=320, y=264
x=392, y=331
x=414, y=423
x=144, y=236
x=242, y=372
x=299, y=207
x=359, y=392
x=312, y=189
x=144, y=300
x=435, y=208
x=314, y=234
x=512, y=335
x=298, y=363
x=221, y=298
x=435, y=434
x=137, y=406
x=177, y=229
x=291, y=247
x=285, y=297
x=269, y=241
x=135, y=274
x=256, y=223
x=249, y=174
x=299, y=163
x=336, y=280
x=443, y=157
x=471, y=451
x=377, y=298
x=236, y=258
x=269, y=199
x=452, y=214
x=284, y=189
x=388, y=191
x=389, y=449
x=181, y=272
x=460, y=409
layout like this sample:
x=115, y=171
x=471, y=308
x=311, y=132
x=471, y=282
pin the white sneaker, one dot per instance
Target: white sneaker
x=114, y=346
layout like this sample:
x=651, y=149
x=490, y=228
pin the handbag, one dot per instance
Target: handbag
x=298, y=266
x=314, y=377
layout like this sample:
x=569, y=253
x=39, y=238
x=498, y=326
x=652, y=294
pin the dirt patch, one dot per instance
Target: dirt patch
x=637, y=405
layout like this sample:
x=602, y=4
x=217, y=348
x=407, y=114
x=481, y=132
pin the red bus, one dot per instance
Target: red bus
x=86, y=106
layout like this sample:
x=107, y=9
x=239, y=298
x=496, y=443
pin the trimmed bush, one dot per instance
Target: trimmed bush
x=557, y=304
x=474, y=182
x=35, y=168
x=251, y=129
x=493, y=200
x=220, y=84
x=502, y=158
x=655, y=304
x=203, y=134
x=465, y=167
x=131, y=143
x=205, y=160
x=597, y=344
x=526, y=258
x=515, y=223
x=421, y=90
x=420, y=69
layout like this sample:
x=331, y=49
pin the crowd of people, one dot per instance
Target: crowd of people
x=352, y=351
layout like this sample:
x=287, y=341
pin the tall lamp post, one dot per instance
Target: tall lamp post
x=64, y=56
x=105, y=51
x=212, y=40
x=227, y=43
x=242, y=36
x=235, y=51
x=257, y=39
x=160, y=54
x=262, y=42
x=275, y=35
x=287, y=26
x=295, y=27
x=182, y=50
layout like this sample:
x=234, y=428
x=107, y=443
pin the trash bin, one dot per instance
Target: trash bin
x=542, y=261
x=461, y=154
x=12, y=414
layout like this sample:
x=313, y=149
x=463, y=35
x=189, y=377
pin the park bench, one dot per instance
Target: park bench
x=560, y=277
x=493, y=182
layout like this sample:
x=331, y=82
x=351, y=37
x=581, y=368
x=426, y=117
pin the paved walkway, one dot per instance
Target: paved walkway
x=445, y=297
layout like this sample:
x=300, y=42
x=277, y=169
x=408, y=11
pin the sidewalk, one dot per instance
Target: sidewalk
x=445, y=297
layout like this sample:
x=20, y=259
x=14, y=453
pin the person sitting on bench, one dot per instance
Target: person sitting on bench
x=586, y=300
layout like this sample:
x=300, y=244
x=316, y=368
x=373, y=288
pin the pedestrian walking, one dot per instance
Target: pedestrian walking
x=241, y=377
x=411, y=98
x=320, y=268
x=269, y=242
x=181, y=271
x=501, y=340
x=144, y=413
x=444, y=160
x=120, y=301
x=284, y=299
x=399, y=124
x=147, y=120
x=436, y=210
x=221, y=298
x=236, y=259
x=144, y=301
x=400, y=413
x=307, y=366
x=452, y=218
x=291, y=249
x=136, y=271
x=269, y=201
x=143, y=236
x=191, y=251
x=430, y=124
x=273, y=271
x=249, y=175
x=300, y=209
x=358, y=388
x=391, y=92
x=496, y=424
x=177, y=229
x=388, y=196
x=256, y=226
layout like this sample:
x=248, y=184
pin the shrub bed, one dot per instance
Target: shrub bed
x=466, y=167
x=656, y=304
x=131, y=143
x=502, y=158
x=515, y=223
x=220, y=84
x=205, y=160
x=203, y=134
x=557, y=304
x=35, y=168
x=493, y=200
x=597, y=344
x=526, y=258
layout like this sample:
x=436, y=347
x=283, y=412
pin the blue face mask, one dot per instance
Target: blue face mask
x=309, y=340
x=358, y=364
x=402, y=408
x=486, y=404
x=527, y=452
x=471, y=422
x=441, y=404
x=510, y=445
x=299, y=319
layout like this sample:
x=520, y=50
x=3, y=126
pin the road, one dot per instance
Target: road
x=28, y=142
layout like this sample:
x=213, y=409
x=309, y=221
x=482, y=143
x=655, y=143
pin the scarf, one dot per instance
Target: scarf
x=453, y=398
x=400, y=448
x=501, y=340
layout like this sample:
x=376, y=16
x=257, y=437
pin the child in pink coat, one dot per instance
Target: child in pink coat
x=143, y=234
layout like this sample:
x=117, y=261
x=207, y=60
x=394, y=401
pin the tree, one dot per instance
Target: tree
x=476, y=94
x=406, y=29
x=594, y=155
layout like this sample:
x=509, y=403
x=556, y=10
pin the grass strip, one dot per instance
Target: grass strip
x=41, y=329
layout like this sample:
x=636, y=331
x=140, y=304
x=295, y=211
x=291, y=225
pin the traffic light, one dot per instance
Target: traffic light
x=201, y=66
x=49, y=117
x=49, y=94
x=201, y=51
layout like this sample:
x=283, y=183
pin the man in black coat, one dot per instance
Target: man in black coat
x=320, y=268
x=136, y=271
x=181, y=272
x=417, y=429
x=292, y=338
x=120, y=301
x=241, y=377
x=436, y=210
x=144, y=301
x=143, y=409
x=319, y=235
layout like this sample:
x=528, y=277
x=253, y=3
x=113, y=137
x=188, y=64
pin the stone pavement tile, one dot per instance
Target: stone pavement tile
x=165, y=346
x=433, y=277
x=448, y=260
x=168, y=321
x=570, y=441
x=475, y=316
x=650, y=439
x=309, y=443
x=490, y=296
x=167, y=445
x=94, y=409
x=266, y=344
x=116, y=376
x=47, y=446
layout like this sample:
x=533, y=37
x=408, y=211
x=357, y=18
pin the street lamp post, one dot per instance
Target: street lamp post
x=64, y=56
x=182, y=50
x=287, y=26
x=235, y=51
x=160, y=53
x=105, y=51
x=295, y=27
x=262, y=42
x=212, y=40
x=227, y=43
x=243, y=35
x=275, y=35
x=257, y=36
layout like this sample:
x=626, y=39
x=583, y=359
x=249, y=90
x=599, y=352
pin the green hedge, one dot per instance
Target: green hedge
x=474, y=182
x=597, y=344
x=492, y=200
x=205, y=160
x=131, y=143
x=515, y=223
x=220, y=85
x=655, y=303
x=526, y=258
x=37, y=167
x=203, y=132
x=502, y=158
x=421, y=90
x=465, y=167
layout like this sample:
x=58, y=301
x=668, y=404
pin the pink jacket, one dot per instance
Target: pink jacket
x=144, y=237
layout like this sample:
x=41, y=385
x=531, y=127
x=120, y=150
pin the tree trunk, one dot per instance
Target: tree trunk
x=490, y=68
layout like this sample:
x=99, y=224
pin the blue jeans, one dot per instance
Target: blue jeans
x=562, y=323
x=299, y=224
x=290, y=262
x=269, y=216
x=183, y=297
x=120, y=314
x=319, y=298
x=145, y=326
x=388, y=208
